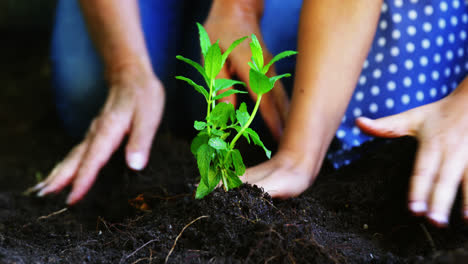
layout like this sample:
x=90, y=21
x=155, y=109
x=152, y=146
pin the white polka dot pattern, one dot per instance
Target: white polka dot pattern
x=418, y=57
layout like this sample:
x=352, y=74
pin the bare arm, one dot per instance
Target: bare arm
x=334, y=40
x=116, y=31
x=134, y=104
x=229, y=20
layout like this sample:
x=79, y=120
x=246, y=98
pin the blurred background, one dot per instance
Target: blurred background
x=29, y=128
x=30, y=15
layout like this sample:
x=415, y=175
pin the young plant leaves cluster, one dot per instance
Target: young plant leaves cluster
x=214, y=147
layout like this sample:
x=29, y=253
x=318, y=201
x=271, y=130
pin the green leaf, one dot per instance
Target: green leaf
x=225, y=135
x=217, y=132
x=278, y=57
x=256, y=139
x=213, y=62
x=231, y=48
x=205, y=42
x=233, y=181
x=228, y=93
x=238, y=162
x=204, y=156
x=253, y=66
x=214, y=176
x=242, y=115
x=276, y=78
x=221, y=113
x=259, y=82
x=194, y=64
x=221, y=84
x=198, y=125
x=257, y=53
x=197, y=87
x=201, y=139
x=202, y=190
x=218, y=143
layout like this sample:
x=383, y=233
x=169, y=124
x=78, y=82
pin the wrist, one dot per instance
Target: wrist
x=308, y=162
x=239, y=8
x=129, y=67
x=306, y=148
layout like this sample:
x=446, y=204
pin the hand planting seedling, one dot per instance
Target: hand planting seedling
x=218, y=160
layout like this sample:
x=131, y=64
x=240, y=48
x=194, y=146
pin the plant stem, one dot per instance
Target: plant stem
x=223, y=177
x=208, y=110
x=254, y=112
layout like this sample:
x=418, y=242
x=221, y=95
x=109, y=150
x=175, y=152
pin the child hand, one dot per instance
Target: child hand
x=229, y=24
x=283, y=176
x=442, y=157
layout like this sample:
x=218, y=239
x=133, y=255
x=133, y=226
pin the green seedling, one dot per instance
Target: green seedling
x=214, y=147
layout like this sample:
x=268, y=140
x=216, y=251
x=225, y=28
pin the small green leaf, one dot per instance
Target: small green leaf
x=276, y=78
x=228, y=159
x=242, y=115
x=221, y=113
x=197, y=66
x=231, y=48
x=253, y=66
x=202, y=190
x=214, y=176
x=238, y=162
x=278, y=57
x=225, y=135
x=198, y=125
x=213, y=62
x=233, y=181
x=197, y=87
x=221, y=84
x=218, y=143
x=204, y=156
x=217, y=132
x=228, y=93
x=205, y=42
x=201, y=139
x=257, y=52
x=259, y=82
x=256, y=139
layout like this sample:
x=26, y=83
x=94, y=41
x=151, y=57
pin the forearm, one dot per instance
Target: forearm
x=116, y=31
x=334, y=40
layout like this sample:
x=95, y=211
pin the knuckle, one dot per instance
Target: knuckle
x=107, y=122
x=445, y=183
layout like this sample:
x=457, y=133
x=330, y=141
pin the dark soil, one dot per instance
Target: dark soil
x=355, y=215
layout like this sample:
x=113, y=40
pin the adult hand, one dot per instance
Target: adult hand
x=134, y=107
x=442, y=157
x=239, y=19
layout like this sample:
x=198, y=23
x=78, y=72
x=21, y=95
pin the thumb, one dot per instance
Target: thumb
x=399, y=125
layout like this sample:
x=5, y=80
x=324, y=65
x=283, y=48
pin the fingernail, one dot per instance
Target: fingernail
x=38, y=186
x=136, y=161
x=438, y=218
x=42, y=193
x=70, y=200
x=418, y=207
x=363, y=119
